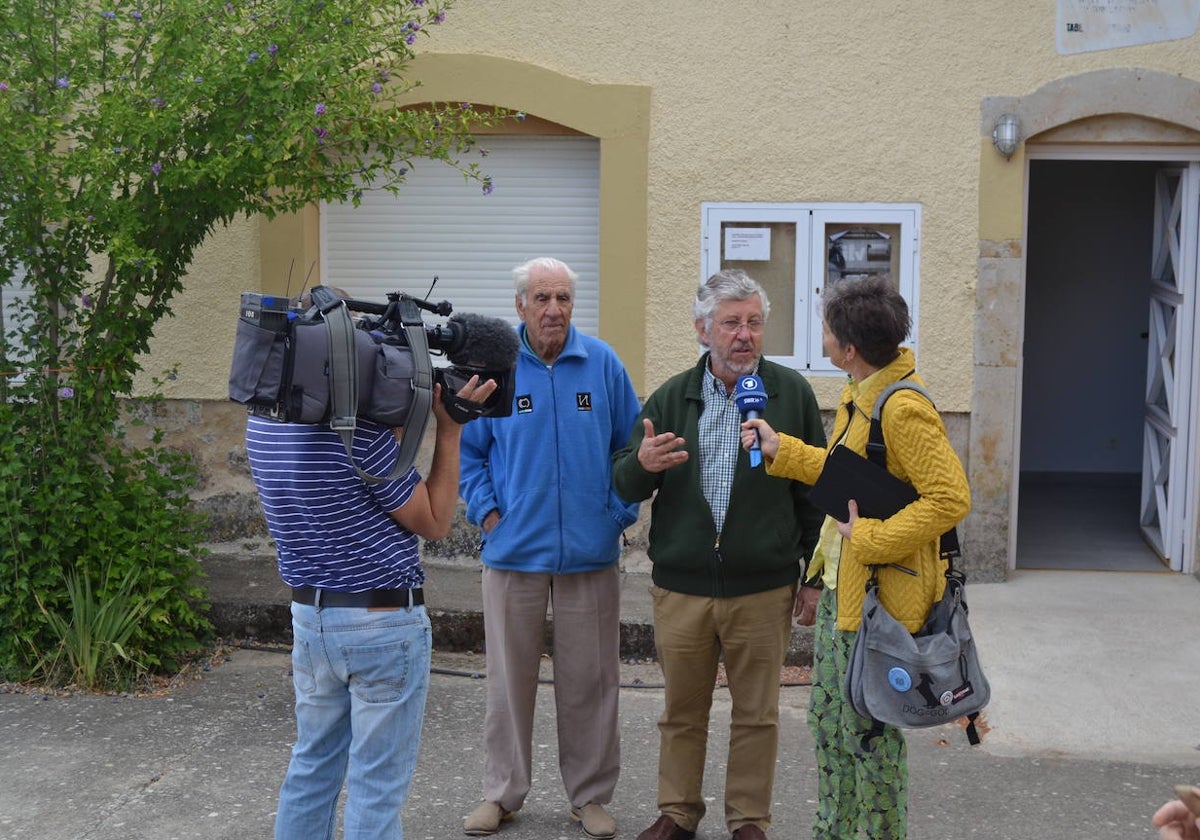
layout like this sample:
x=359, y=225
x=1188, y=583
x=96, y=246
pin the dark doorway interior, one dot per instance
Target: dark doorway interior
x=1086, y=308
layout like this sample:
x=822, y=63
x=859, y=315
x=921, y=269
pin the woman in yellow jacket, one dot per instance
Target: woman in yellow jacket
x=862, y=769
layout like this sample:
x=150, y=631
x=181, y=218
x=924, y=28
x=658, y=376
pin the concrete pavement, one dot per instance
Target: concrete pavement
x=1094, y=716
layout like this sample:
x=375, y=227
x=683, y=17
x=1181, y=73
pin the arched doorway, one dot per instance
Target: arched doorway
x=1114, y=137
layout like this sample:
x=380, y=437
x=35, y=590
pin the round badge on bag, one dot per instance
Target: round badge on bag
x=899, y=679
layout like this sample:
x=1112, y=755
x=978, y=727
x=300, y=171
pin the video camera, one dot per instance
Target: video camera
x=474, y=345
x=315, y=363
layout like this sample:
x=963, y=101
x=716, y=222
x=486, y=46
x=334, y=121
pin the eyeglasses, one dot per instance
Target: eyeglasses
x=732, y=326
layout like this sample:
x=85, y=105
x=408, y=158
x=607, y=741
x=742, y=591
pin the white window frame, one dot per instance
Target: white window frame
x=811, y=257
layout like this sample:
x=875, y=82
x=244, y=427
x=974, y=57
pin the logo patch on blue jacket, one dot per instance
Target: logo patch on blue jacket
x=583, y=400
x=525, y=404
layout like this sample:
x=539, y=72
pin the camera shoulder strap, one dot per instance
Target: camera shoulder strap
x=343, y=386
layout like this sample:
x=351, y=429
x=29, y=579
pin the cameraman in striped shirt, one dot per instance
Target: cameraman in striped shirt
x=361, y=651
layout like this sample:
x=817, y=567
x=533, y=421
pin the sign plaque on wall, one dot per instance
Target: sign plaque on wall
x=1091, y=25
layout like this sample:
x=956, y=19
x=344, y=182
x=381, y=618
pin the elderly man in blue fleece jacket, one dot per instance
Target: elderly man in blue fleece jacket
x=539, y=483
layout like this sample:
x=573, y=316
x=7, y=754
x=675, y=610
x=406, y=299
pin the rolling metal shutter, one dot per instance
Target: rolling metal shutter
x=545, y=203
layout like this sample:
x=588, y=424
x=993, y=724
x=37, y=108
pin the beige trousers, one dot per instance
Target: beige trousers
x=586, y=651
x=690, y=634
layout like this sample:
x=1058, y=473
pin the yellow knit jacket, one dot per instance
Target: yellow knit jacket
x=919, y=452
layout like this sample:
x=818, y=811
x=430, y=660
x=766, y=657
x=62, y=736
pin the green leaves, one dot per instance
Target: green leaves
x=92, y=634
x=127, y=135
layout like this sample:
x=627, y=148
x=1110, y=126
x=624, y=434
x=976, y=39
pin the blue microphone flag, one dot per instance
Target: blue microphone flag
x=751, y=398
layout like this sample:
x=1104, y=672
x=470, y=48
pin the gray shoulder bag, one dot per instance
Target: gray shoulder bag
x=921, y=679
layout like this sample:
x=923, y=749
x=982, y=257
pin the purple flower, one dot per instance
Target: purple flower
x=418, y=2
x=410, y=38
x=376, y=88
x=272, y=49
x=136, y=15
x=253, y=57
x=249, y=138
x=156, y=168
x=487, y=186
x=520, y=116
x=440, y=17
x=108, y=15
x=321, y=134
x=319, y=110
x=63, y=82
x=484, y=152
x=66, y=392
x=158, y=102
x=3, y=86
x=86, y=300
x=413, y=25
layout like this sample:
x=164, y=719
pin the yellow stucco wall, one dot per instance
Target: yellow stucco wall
x=775, y=101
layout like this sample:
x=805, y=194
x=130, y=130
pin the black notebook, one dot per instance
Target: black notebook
x=848, y=475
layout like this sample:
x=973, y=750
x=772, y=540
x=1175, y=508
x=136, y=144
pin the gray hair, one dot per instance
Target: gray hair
x=727, y=284
x=521, y=273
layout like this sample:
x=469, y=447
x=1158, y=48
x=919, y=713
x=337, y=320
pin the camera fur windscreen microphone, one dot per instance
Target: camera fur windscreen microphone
x=485, y=343
x=751, y=398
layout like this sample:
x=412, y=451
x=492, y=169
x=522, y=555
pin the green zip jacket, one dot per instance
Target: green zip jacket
x=770, y=528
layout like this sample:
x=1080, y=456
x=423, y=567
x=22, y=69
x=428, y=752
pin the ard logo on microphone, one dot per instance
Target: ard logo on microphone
x=749, y=394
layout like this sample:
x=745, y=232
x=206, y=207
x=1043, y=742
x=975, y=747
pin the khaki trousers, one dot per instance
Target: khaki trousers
x=690, y=634
x=586, y=650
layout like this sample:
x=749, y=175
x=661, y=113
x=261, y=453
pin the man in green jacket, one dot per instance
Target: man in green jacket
x=728, y=543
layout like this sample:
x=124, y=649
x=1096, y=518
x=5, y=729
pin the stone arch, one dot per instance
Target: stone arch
x=1153, y=95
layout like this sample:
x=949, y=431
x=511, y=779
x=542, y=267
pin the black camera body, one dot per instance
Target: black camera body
x=474, y=344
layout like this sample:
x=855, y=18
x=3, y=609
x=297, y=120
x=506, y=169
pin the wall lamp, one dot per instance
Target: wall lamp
x=1006, y=134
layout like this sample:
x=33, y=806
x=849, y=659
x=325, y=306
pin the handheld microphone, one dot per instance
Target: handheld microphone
x=751, y=398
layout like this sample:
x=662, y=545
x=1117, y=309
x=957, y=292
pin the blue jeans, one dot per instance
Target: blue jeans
x=361, y=677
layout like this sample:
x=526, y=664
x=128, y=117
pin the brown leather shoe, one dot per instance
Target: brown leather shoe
x=749, y=832
x=665, y=828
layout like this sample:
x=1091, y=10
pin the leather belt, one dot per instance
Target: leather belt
x=374, y=598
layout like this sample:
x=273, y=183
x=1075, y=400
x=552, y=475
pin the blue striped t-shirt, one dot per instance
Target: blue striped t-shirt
x=332, y=529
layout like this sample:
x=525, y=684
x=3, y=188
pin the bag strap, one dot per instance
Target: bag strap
x=949, y=548
x=343, y=380
x=877, y=454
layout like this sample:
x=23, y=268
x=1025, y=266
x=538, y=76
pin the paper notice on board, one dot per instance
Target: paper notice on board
x=743, y=244
x=1090, y=25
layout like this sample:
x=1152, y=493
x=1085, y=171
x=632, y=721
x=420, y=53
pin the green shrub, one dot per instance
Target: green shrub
x=128, y=134
x=79, y=505
x=93, y=636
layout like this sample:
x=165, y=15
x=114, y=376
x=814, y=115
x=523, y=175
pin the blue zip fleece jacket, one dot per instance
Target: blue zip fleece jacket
x=547, y=467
